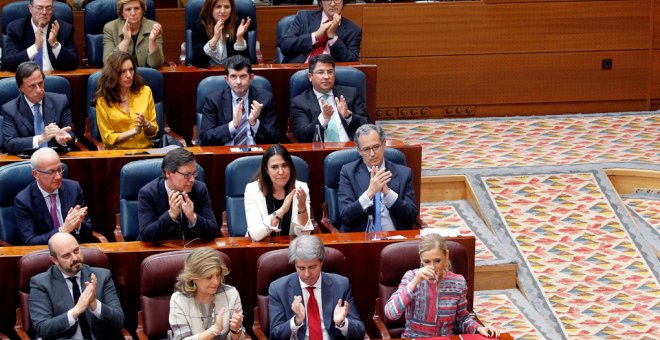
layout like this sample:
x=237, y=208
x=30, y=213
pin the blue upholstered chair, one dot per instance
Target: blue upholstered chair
x=154, y=79
x=95, y=15
x=346, y=76
x=132, y=177
x=238, y=174
x=282, y=27
x=211, y=84
x=332, y=165
x=244, y=9
x=19, y=9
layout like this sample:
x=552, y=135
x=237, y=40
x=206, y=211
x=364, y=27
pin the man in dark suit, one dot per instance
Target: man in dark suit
x=362, y=180
x=35, y=118
x=72, y=300
x=42, y=38
x=310, y=303
x=176, y=206
x=241, y=114
x=51, y=204
x=323, y=31
x=337, y=110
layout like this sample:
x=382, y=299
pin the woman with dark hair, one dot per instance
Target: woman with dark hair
x=203, y=306
x=217, y=35
x=125, y=110
x=433, y=298
x=275, y=200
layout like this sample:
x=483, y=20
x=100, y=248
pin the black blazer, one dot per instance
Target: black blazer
x=305, y=110
x=154, y=219
x=18, y=125
x=296, y=44
x=218, y=113
x=20, y=37
x=199, y=39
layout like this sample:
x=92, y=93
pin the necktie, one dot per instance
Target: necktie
x=331, y=133
x=39, y=58
x=313, y=317
x=319, y=46
x=53, y=210
x=82, y=318
x=377, y=211
x=38, y=122
x=241, y=132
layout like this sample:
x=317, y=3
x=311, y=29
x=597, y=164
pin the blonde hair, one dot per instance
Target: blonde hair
x=201, y=263
x=432, y=242
x=121, y=3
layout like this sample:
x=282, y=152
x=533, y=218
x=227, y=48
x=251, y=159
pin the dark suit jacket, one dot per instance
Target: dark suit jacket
x=50, y=300
x=154, y=219
x=33, y=216
x=333, y=287
x=20, y=36
x=199, y=39
x=18, y=126
x=296, y=44
x=305, y=110
x=218, y=113
x=354, y=180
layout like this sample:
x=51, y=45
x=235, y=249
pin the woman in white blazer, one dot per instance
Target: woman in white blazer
x=275, y=200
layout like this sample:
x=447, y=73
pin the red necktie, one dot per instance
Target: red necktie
x=319, y=47
x=313, y=317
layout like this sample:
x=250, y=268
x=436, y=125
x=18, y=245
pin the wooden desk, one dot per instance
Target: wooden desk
x=180, y=92
x=125, y=259
x=98, y=174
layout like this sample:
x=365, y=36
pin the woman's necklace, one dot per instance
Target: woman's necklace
x=207, y=312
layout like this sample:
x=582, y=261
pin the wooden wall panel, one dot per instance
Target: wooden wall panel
x=654, y=75
x=513, y=78
x=656, y=24
x=478, y=28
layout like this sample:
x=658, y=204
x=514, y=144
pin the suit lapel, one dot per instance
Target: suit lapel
x=228, y=105
x=48, y=111
x=64, y=201
x=40, y=205
x=60, y=285
x=27, y=117
x=313, y=104
x=328, y=301
x=294, y=289
x=395, y=181
x=363, y=177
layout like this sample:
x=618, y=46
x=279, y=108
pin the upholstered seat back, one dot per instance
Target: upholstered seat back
x=96, y=14
x=244, y=9
x=132, y=177
x=19, y=9
x=395, y=260
x=275, y=264
x=14, y=177
x=344, y=75
x=212, y=84
x=238, y=174
x=282, y=27
x=37, y=262
x=331, y=172
x=158, y=275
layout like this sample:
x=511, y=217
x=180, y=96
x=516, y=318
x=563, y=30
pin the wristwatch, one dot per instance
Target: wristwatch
x=240, y=330
x=342, y=324
x=55, y=45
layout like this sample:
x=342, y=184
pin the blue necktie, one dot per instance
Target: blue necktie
x=377, y=212
x=38, y=123
x=39, y=58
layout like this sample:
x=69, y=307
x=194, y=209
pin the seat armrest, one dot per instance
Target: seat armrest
x=326, y=225
x=224, y=229
x=4, y=244
x=80, y=145
x=175, y=135
x=99, y=237
x=289, y=131
x=3, y=337
x=140, y=328
x=420, y=224
x=126, y=334
x=256, y=326
x=378, y=320
x=195, y=136
x=119, y=236
x=90, y=138
x=18, y=327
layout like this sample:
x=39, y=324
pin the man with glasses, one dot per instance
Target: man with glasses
x=374, y=186
x=337, y=110
x=241, y=114
x=323, y=31
x=42, y=38
x=176, y=206
x=35, y=118
x=51, y=204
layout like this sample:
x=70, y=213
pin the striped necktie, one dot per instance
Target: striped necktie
x=241, y=137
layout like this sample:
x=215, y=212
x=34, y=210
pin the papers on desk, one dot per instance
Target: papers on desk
x=394, y=237
x=253, y=148
x=444, y=232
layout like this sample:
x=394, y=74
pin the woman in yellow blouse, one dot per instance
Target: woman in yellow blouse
x=125, y=110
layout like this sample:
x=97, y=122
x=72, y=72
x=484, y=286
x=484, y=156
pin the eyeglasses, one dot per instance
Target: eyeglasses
x=368, y=149
x=187, y=175
x=51, y=172
x=47, y=9
x=321, y=73
x=329, y=1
